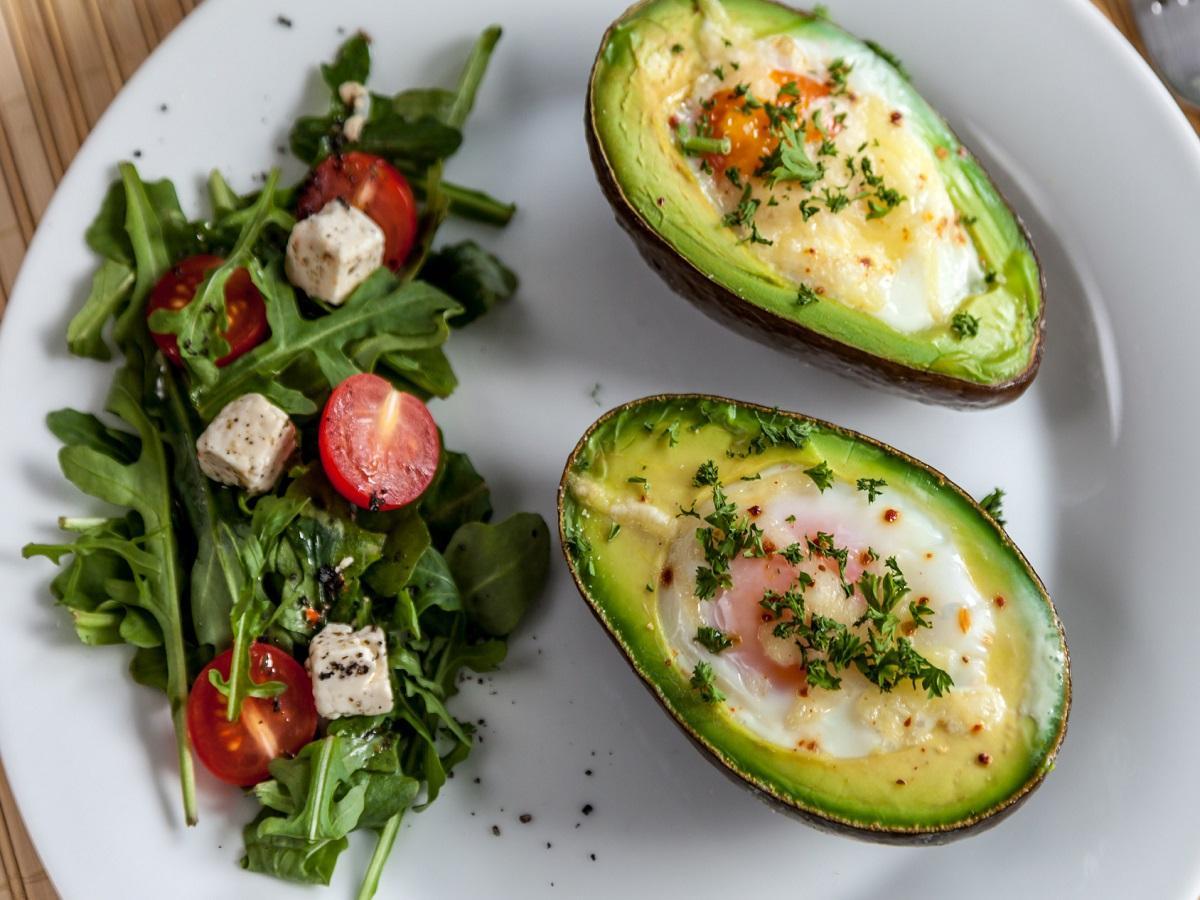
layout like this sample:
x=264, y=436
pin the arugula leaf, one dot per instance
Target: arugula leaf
x=319, y=807
x=200, y=325
x=381, y=304
x=472, y=276
x=253, y=609
x=500, y=569
x=437, y=203
x=144, y=486
x=218, y=576
x=111, y=287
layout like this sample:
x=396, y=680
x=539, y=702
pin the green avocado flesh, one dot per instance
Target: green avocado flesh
x=645, y=78
x=620, y=505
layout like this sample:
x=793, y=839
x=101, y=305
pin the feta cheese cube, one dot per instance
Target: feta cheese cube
x=331, y=253
x=247, y=444
x=349, y=672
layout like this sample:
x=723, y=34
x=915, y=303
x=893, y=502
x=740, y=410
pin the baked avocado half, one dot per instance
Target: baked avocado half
x=834, y=624
x=788, y=179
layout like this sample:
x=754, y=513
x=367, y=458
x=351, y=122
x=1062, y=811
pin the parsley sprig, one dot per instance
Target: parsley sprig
x=704, y=682
x=829, y=647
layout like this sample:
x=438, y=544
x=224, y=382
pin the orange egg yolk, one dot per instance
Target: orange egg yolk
x=749, y=128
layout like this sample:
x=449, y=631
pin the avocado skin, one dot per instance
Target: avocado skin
x=830, y=824
x=727, y=308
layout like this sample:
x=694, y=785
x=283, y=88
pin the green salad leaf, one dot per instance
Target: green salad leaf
x=99, y=465
x=185, y=568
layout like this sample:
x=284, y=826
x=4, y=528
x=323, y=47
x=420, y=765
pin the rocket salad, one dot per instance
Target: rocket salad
x=299, y=563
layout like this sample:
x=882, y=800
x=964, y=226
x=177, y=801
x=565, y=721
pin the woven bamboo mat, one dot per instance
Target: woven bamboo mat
x=61, y=62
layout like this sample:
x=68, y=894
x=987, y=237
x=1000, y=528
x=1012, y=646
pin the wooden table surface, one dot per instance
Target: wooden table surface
x=61, y=62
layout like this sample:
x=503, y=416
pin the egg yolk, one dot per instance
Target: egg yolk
x=748, y=127
x=741, y=614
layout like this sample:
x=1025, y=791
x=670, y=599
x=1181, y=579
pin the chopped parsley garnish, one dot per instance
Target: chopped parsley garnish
x=964, y=325
x=776, y=430
x=793, y=553
x=614, y=530
x=672, y=433
x=704, y=682
x=790, y=89
x=728, y=536
x=734, y=174
x=872, y=486
x=789, y=162
x=806, y=296
x=714, y=640
x=689, y=513
x=821, y=475
x=580, y=547
x=719, y=72
x=829, y=647
x=677, y=48
x=835, y=201
x=707, y=474
x=839, y=69
x=993, y=505
x=743, y=215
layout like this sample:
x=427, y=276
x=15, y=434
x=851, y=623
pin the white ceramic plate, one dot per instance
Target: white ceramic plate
x=1098, y=460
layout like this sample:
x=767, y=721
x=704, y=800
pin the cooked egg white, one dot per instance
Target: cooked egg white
x=857, y=719
x=910, y=268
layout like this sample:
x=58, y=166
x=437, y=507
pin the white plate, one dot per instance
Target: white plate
x=1098, y=458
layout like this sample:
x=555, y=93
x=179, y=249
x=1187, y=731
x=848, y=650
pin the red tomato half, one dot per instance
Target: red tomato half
x=371, y=184
x=379, y=446
x=244, y=306
x=239, y=752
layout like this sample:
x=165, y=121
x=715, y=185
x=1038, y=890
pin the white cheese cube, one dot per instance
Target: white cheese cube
x=331, y=253
x=349, y=672
x=247, y=444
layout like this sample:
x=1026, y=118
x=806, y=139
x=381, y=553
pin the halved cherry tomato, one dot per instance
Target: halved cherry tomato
x=244, y=306
x=379, y=446
x=371, y=184
x=239, y=752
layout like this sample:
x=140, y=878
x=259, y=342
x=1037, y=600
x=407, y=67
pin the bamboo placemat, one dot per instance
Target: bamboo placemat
x=61, y=62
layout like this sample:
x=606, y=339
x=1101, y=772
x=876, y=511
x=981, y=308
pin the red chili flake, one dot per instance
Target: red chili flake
x=976, y=728
x=667, y=576
x=901, y=782
x=769, y=546
x=985, y=759
x=891, y=515
x=896, y=117
x=908, y=722
x=755, y=511
x=999, y=601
